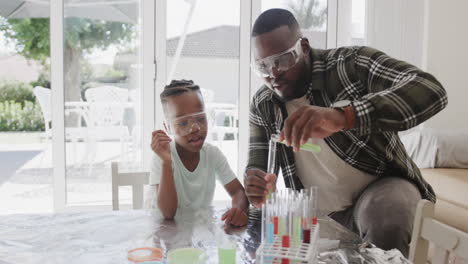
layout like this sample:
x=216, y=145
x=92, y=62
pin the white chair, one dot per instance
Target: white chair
x=74, y=134
x=225, y=122
x=135, y=98
x=106, y=116
x=445, y=239
x=44, y=97
x=135, y=179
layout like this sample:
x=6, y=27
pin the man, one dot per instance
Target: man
x=352, y=102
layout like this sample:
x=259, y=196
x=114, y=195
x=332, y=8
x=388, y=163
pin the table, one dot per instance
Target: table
x=105, y=237
x=82, y=109
x=225, y=120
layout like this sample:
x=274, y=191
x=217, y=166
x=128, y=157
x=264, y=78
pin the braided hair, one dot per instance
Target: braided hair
x=176, y=88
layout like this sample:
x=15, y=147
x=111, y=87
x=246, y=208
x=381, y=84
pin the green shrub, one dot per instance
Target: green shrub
x=43, y=80
x=16, y=91
x=21, y=117
x=111, y=73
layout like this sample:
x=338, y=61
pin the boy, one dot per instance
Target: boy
x=184, y=171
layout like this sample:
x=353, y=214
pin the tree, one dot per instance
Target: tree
x=31, y=38
x=307, y=13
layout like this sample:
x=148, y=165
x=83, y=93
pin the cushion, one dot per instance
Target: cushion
x=431, y=148
x=450, y=185
x=451, y=215
x=451, y=188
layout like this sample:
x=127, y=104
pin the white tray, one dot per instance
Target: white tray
x=272, y=253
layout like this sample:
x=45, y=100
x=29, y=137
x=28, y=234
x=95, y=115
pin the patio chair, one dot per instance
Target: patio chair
x=73, y=134
x=135, y=129
x=445, y=239
x=106, y=117
x=225, y=122
x=44, y=97
x=135, y=179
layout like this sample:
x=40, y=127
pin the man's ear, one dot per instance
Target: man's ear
x=305, y=45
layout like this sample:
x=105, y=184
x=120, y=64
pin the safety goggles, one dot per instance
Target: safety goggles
x=281, y=62
x=186, y=124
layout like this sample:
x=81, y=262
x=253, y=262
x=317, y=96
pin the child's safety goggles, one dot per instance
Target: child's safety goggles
x=186, y=124
x=281, y=62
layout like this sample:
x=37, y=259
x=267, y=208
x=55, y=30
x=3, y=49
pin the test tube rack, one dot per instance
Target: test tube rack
x=273, y=253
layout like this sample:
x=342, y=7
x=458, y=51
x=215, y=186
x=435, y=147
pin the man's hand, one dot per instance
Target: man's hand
x=257, y=184
x=311, y=121
x=270, y=182
x=160, y=145
x=235, y=216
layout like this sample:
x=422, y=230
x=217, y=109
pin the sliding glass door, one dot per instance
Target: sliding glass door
x=100, y=102
x=111, y=59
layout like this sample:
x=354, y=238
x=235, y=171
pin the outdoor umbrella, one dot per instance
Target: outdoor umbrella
x=125, y=11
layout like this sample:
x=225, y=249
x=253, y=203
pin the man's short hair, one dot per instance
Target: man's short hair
x=272, y=19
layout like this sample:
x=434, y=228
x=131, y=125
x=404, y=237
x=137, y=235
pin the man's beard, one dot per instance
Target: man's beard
x=299, y=88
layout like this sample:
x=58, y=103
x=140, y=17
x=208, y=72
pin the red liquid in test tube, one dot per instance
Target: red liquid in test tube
x=275, y=225
x=285, y=244
x=306, y=234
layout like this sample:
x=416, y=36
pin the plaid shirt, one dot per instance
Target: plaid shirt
x=387, y=95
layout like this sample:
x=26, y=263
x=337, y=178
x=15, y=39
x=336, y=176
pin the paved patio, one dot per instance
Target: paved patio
x=26, y=184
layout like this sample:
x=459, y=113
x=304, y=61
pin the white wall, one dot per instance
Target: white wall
x=447, y=59
x=433, y=35
x=396, y=27
x=219, y=75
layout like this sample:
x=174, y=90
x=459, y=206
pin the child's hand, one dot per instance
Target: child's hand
x=160, y=145
x=235, y=216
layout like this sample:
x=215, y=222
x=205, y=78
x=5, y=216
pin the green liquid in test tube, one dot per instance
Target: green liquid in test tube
x=282, y=226
x=297, y=229
x=307, y=146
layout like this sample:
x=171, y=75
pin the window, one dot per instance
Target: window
x=352, y=30
x=209, y=55
x=311, y=16
x=102, y=70
x=25, y=110
x=100, y=74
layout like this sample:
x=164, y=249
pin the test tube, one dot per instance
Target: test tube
x=306, y=220
x=286, y=237
x=270, y=225
x=271, y=156
x=314, y=198
x=307, y=146
x=281, y=220
x=264, y=219
x=271, y=161
x=297, y=216
x=275, y=211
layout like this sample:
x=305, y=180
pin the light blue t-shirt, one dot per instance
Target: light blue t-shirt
x=195, y=189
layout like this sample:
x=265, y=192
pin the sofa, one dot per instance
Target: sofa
x=442, y=156
x=451, y=188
